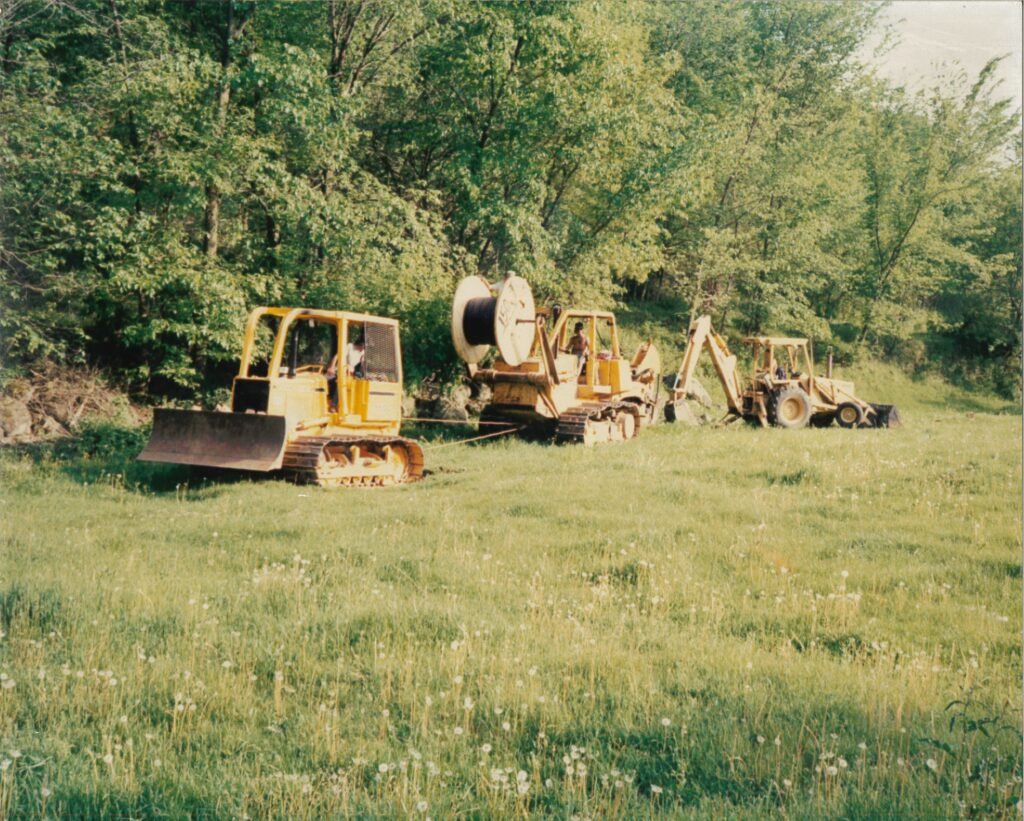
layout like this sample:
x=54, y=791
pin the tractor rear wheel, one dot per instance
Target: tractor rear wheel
x=849, y=415
x=791, y=407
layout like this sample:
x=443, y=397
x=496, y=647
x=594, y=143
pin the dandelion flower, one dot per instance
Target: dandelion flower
x=486, y=748
x=108, y=759
x=655, y=789
x=787, y=783
x=506, y=726
x=457, y=679
x=45, y=793
x=831, y=769
x=778, y=741
x=458, y=731
x=932, y=764
x=226, y=664
x=665, y=722
x=843, y=764
x=382, y=767
x=760, y=739
x=468, y=703
x=532, y=671
x=5, y=765
x=421, y=806
x=862, y=746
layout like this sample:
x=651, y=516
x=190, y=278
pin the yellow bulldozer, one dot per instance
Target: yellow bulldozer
x=557, y=373
x=322, y=405
x=781, y=389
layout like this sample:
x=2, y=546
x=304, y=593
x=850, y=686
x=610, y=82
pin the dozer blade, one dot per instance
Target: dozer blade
x=240, y=441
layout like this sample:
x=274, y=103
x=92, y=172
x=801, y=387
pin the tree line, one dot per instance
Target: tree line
x=168, y=164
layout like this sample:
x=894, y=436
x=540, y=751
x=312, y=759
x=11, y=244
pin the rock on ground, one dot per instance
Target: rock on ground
x=15, y=419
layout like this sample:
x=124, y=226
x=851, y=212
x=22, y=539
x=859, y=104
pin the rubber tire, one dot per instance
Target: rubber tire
x=789, y=396
x=849, y=415
x=670, y=412
x=823, y=420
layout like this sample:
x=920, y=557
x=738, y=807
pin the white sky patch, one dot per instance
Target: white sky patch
x=934, y=35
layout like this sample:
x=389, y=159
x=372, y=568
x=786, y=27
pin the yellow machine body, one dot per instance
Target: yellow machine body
x=781, y=389
x=284, y=418
x=607, y=399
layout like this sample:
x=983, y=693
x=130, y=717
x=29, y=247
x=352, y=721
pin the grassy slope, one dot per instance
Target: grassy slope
x=728, y=615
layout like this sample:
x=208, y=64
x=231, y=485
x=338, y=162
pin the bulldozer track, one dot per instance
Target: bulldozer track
x=348, y=461
x=593, y=425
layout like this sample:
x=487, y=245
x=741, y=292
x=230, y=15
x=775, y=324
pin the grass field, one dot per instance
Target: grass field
x=726, y=622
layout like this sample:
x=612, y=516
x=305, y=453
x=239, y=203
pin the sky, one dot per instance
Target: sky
x=936, y=32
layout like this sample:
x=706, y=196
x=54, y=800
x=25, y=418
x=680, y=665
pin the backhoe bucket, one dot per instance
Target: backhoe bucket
x=240, y=441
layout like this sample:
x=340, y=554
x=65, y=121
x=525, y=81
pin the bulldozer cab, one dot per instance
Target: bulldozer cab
x=604, y=370
x=320, y=364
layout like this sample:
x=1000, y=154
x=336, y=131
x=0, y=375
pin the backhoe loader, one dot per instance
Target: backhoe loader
x=571, y=382
x=322, y=405
x=781, y=389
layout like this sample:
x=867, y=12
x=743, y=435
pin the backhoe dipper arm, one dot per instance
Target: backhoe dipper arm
x=703, y=336
x=698, y=334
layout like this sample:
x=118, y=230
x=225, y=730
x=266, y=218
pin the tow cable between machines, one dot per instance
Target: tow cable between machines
x=460, y=422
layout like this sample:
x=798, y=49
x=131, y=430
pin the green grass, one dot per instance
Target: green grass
x=703, y=622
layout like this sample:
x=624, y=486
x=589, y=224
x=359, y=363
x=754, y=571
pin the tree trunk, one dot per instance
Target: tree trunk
x=211, y=220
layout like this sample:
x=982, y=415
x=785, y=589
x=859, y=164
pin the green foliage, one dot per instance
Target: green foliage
x=168, y=166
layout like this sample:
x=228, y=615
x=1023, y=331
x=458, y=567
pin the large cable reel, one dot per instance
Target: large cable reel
x=502, y=314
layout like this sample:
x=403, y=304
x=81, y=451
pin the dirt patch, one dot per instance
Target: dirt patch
x=52, y=401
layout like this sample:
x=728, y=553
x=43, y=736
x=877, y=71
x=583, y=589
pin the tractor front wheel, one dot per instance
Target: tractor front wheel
x=791, y=408
x=849, y=415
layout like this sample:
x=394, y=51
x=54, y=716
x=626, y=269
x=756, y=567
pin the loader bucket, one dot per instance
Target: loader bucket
x=886, y=416
x=240, y=441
